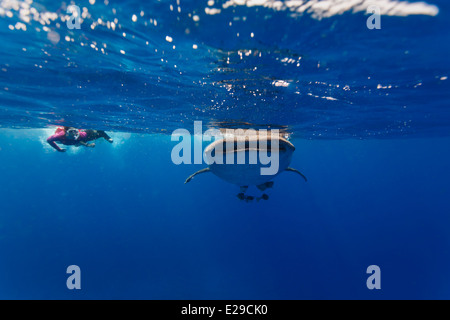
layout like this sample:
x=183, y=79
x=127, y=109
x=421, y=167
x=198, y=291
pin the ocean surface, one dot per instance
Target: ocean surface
x=368, y=111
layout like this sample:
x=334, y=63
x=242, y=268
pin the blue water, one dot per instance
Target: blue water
x=368, y=112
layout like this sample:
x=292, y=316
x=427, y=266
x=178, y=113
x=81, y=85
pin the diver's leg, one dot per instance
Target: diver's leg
x=105, y=136
x=97, y=134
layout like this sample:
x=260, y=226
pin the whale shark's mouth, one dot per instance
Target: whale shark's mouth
x=236, y=145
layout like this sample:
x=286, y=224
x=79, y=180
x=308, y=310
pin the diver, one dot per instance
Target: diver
x=69, y=136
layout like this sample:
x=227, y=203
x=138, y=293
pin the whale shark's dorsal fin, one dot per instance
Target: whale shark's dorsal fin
x=295, y=170
x=198, y=172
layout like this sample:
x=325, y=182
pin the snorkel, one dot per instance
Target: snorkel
x=72, y=134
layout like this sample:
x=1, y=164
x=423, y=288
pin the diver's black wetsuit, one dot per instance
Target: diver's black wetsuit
x=96, y=134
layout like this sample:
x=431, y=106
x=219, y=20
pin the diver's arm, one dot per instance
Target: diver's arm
x=51, y=141
x=90, y=145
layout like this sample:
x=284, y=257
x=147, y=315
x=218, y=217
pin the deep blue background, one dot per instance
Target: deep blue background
x=125, y=217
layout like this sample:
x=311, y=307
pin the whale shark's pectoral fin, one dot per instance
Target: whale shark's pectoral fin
x=198, y=172
x=295, y=170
